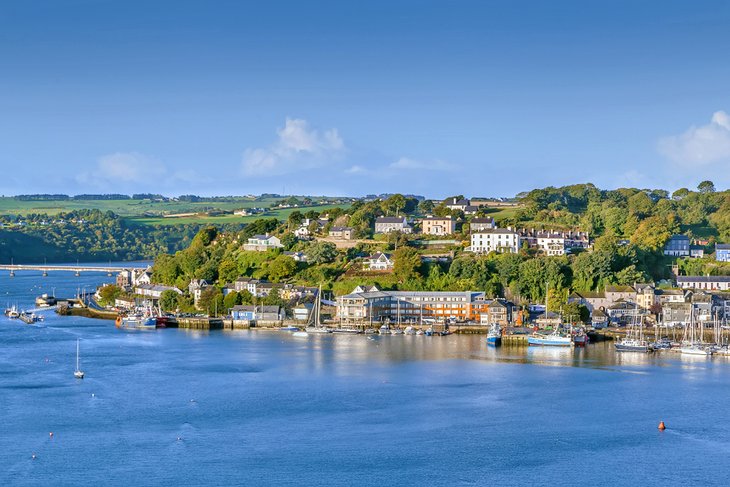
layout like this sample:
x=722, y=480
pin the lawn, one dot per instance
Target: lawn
x=223, y=219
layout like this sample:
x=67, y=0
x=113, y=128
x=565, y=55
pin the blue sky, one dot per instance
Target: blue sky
x=481, y=98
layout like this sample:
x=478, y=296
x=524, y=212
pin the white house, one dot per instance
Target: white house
x=551, y=243
x=378, y=262
x=262, y=243
x=386, y=224
x=495, y=240
x=708, y=283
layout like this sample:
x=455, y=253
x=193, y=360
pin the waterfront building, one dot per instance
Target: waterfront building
x=495, y=240
x=722, y=252
x=436, y=225
x=154, y=291
x=262, y=243
x=365, y=304
x=387, y=224
x=677, y=246
x=645, y=295
x=257, y=313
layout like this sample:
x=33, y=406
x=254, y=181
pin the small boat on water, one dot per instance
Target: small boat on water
x=347, y=331
x=315, y=325
x=137, y=321
x=692, y=342
x=300, y=334
x=45, y=301
x=289, y=328
x=409, y=331
x=12, y=312
x=580, y=337
x=28, y=318
x=634, y=340
x=78, y=373
x=494, y=335
x=554, y=339
x=384, y=330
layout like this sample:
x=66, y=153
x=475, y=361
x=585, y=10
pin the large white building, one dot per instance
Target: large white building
x=495, y=240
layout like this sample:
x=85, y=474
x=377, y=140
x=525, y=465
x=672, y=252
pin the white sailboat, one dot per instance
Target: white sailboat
x=79, y=374
x=693, y=344
x=634, y=340
x=315, y=317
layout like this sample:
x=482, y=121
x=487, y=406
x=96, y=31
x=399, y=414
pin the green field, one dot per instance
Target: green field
x=127, y=207
x=147, y=212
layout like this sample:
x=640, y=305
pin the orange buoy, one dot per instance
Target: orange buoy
x=662, y=426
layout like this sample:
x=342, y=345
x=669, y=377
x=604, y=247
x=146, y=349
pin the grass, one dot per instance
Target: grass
x=147, y=212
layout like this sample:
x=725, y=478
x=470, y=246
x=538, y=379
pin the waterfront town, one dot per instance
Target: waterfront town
x=425, y=266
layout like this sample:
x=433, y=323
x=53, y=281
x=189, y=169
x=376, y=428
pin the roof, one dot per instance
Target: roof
x=377, y=255
x=390, y=219
x=262, y=237
x=454, y=201
x=340, y=229
x=722, y=246
x=679, y=237
x=438, y=218
x=619, y=289
x=703, y=278
x=471, y=295
x=496, y=230
x=484, y=219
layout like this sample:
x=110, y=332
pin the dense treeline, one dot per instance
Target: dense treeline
x=88, y=235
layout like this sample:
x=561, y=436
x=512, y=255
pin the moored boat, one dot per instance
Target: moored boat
x=494, y=335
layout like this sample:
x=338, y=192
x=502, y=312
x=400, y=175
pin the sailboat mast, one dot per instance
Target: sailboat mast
x=77, y=354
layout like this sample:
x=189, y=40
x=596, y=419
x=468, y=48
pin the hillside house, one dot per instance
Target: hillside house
x=494, y=240
x=262, y=243
x=436, y=225
x=379, y=261
x=677, y=246
x=387, y=224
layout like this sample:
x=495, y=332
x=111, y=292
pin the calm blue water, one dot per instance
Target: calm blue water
x=263, y=408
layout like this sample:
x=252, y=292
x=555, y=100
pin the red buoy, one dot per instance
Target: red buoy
x=662, y=427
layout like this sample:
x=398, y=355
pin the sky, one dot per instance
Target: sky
x=481, y=98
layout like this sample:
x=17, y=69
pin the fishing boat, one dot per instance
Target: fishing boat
x=78, y=373
x=494, y=335
x=384, y=330
x=409, y=331
x=315, y=316
x=580, y=337
x=137, y=321
x=634, y=340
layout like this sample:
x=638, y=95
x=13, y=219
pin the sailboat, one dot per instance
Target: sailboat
x=692, y=343
x=315, y=317
x=634, y=340
x=554, y=339
x=79, y=374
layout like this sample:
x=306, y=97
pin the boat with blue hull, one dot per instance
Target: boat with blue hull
x=494, y=336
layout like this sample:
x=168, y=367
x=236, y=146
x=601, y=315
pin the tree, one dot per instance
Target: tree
x=281, y=267
x=407, y=264
x=232, y=299
x=228, y=270
x=425, y=207
x=680, y=194
x=211, y=300
x=321, y=252
x=706, y=187
x=394, y=204
x=168, y=300
x=108, y=294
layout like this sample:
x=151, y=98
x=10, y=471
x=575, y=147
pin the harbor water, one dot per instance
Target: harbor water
x=180, y=407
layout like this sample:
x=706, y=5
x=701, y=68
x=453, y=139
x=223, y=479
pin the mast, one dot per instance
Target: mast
x=77, y=354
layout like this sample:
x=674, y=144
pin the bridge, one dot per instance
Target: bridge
x=76, y=269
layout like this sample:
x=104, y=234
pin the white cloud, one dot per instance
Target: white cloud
x=123, y=168
x=297, y=147
x=356, y=170
x=701, y=145
x=405, y=163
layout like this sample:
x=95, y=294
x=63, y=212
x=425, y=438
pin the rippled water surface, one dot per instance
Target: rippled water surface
x=173, y=407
